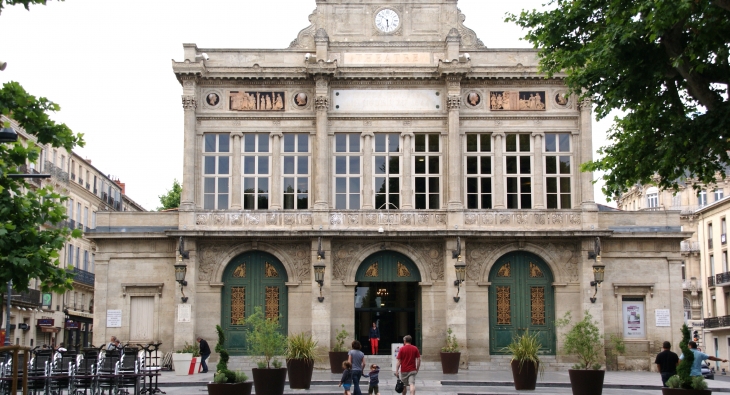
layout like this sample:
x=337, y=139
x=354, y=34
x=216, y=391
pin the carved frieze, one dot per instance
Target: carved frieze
x=433, y=259
x=478, y=258
x=565, y=255
x=210, y=255
x=300, y=257
x=517, y=100
x=342, y=255
x=256, y=101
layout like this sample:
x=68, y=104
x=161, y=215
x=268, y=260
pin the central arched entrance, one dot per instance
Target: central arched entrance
x=387, y=293
x=252, y=279
x=521, y=298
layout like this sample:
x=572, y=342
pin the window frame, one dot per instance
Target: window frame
x=519, y=176
x=348, y=176
x=257, y=176
x=562, y=200
x=479, y=176
x=427, y=175
x=296, y=175
x=217, y=176
x=388, y=204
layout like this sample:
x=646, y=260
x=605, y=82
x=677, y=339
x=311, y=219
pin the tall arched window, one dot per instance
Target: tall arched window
x=652, y=197
x=687, y=310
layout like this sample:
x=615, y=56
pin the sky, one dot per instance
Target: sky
x=108, y=64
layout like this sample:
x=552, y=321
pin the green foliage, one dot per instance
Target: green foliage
x=674, y=382
x=451, y=344
x=261, y=364
x=340, y=337
x=190, y=348
x=276, y=363
x=264, y=336
x=688, y=357
x=171, y=198
x=663, y=64
x=25, y=3
x=616, y=346
x=220, y=378
x=31, y=231
x=584, y=340
x=699, y=383
x=241, y=377
x=221, y=350
x=301, y=346
x=524, y=348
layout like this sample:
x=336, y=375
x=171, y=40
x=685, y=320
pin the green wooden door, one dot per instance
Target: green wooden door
x=521, y=299
x=251, y=279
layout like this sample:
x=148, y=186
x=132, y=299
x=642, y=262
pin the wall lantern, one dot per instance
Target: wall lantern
x=181, y=270
x=460, y=268
x=598, y=268
x=319, y=270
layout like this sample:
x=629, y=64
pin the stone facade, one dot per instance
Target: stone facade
x=414, y=140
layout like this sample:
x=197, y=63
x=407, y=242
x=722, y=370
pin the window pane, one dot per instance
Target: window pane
x=355, y=185
x=210, y=142
x=223, y=202
x=223, y=164
x=433, y=164
x=263, y=165
x=380, y=184
x=472, y=185
x=288, y=202
x=551, y=184
x=340, y=185
x=552, y=201
x=564, y=165
x=525, y=201
x=303, y=184
x=550, y=165
x=511, y=165
x=524, y=165
x=564, y=142
x=420, y=167
x=433, y=143
x=340, y=165
x=433, y=184
x=288, y=185
x=380, y=142
x=302, y=165
x=354, y=202
x=394, y=201
x=303, y=143
x=511, y=185
x=393, y=141
x=420, y=184
x=512, y=201
x=354, y=165
x=487, y=185
x=472, y=201
x=525, y=185
x=420, y=143
x=379, y=165
x=302, y=202
x=249, y=163
x=549, y=142
x=394, y=165
x=511, y=140
x=433, y=201
x=394, y=185
x=249, y=143
x=249, y=185
x=341, y=202
x=524, y=143
x=340, y=143
x=565, y=184
x=288, y=165
x=486, y=201
x=289, y=143
x=564, y=200
x=224, y=143
x=379, y=201
x=263, y=143
x=222, y=185
x=263, y=185
x=209, y=202
x=485, y=141
x=354, y=143
x=420, y=201
x=471, y=165
x=209, y=185
x=471, y=142
x=209, y=165
x=486, y=165
x=263, y=202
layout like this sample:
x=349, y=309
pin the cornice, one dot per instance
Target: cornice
x=255, y=118
x=520, y=118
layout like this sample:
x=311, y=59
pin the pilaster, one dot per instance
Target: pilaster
x=187, y=201
x=321, y=151
x=185, y=331
x=454, y=159
x=321, y=311
x=497, y=181
x=367, y=171
x=407, y=190
x=276, y=193
x=538, y=189
x=455, y=311
x=586, y=153
x=236, y=171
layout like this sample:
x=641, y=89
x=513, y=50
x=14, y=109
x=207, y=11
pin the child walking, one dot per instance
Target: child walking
x=346, y=380
x=374, y=371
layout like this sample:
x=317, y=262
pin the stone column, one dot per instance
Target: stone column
x=185, y=331
x=275, y=193
x=586, y=154
x=187, y=201
x=498, y=174
x=321, y=151
x=407, y=190
x=321, y=317
x=454, y=159
x=538, y=189
x=455, y=311
x=236, y=171
x=367, y=171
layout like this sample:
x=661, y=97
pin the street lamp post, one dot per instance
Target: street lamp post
x=7, y=314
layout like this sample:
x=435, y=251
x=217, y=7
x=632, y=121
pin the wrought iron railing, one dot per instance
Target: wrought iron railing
x=711, y=281
x=722, y=278
x=84, y=277
x=709, y=243
x=717, y=322
x=31, y=297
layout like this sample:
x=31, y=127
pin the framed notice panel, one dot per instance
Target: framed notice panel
x=114, y=318
x=633, y=318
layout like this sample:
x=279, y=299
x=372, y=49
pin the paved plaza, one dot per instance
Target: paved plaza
x=464, y=383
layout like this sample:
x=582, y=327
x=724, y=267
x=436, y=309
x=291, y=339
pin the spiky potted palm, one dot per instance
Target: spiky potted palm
x=525, y=361
x=225, y=381
x=300, y=355
x=266, y=341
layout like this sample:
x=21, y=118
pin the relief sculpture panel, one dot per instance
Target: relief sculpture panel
x=517, y=100
x=209, y=256
x=256, y=101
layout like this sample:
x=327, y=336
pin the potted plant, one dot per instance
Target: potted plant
x=614, y=352
x=585, y=341
x=183, y=360
x=682, y=383
x=450, y=354
x=339, y=352
x=225, y=381
x=525, y=362
x=300, y=356
x=265, y=340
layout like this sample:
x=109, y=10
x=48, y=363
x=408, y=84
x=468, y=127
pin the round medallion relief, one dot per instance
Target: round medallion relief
x=212, y=99
x=473, y=99
x=562, y=99
x=301, y=99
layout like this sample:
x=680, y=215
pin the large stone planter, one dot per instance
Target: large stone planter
x=450, y=362
x=525, y=376
x=300, y=373
x=182, y=363
x=269, y=381
x=586, y=382
x=336, y=359
x=230, y=389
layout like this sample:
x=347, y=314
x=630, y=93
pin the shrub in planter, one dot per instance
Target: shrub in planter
x=339, y=351
x=525, y=361
x=226, y=381
x=450, y=354
x=182, y=359
x=300, y=357
x=266, y=341
x=585, y=341
x=682, y=383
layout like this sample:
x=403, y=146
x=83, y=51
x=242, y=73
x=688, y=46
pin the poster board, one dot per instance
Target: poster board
x=634, y=320
x=394, y=348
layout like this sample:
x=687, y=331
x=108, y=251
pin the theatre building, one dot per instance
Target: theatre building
x=389, y=133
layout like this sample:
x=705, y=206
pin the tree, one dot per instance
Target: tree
x=171, y=198
x=28, y=247
x=663, y=63
x=25, y=3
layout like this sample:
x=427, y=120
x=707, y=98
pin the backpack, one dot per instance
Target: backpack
x=399, y=386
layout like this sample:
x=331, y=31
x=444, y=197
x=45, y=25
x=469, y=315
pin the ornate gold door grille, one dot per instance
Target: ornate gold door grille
x=372, y=270
x=240, y=271
x=504, y=316
x=535, y=271
x=537, y=304
x=271, y=270
x=272, y=303
x=238, y=305
x=403, y=270
x=504, y=271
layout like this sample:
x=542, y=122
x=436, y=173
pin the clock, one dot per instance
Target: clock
x=387, y=20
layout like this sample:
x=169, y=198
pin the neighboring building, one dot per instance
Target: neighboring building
x=393, y=135
x=54, y=318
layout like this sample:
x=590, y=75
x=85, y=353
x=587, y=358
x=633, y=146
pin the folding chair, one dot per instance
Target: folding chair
x=38, y=371
x=106, y=375
x=84, y=378
x=128, y=370
x=62, y=369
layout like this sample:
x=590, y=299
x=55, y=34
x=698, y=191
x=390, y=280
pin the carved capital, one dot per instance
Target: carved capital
x=321, y=103
x=322, y=82
x=454, y=102
x=368, y=134
x=277, y=134
x=237, y=134
x=188, y=102
x=585, y=104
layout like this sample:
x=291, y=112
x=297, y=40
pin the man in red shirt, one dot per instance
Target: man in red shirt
x=409, y=361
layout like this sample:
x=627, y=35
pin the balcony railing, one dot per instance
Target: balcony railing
x=717, y=322
x=689, y=246
x=709, y=243
x=56, y=172
x=711, y=281
x=722, y=278
x=71, y=224
x=84, y=277
x=29, y=298
x=73, y=176
x=81, y=181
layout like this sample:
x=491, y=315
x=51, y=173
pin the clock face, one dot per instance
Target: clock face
x=387, y=20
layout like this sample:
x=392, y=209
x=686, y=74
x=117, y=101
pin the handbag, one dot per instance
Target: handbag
x=399, y=386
